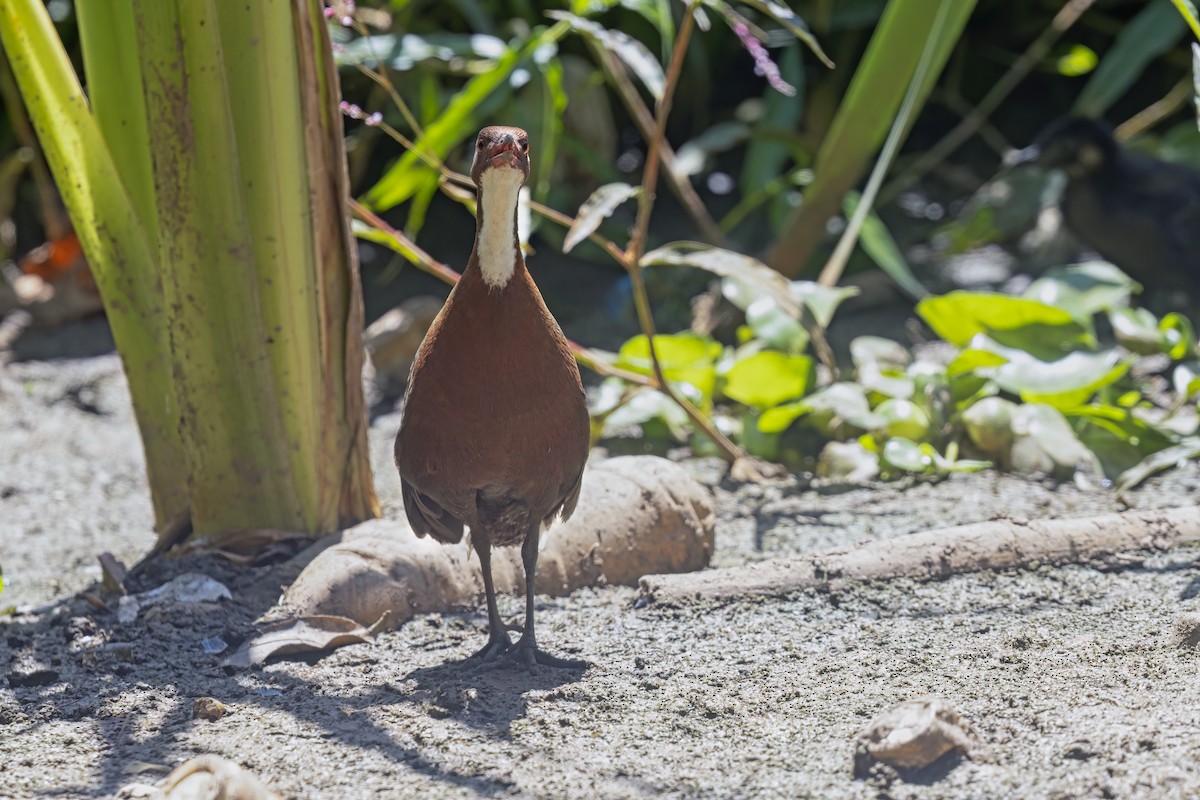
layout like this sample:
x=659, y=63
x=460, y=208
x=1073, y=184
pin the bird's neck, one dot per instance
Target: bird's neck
x=497, y=251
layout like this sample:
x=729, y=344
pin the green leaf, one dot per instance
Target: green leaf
x=903, y=418
x=467, y=51
x=685, y=358
x=1179, y=339
x=1083, y=290
x=1188, y=9
x=1016, y=322
x=878, y=243
x=1079, y=60
x=1046, y=444
x=598, y=207
x=770, y=323
x=1066, y=383
x=972, y=360
x=1164, y=459
x=646, y=406
x=906, y=455
x=988, y=423
x=760, y=278
x=640, y=60
x=822, y=301
x=1138, y=330
x=767, y=379
x=832, y=408
x=456, y=123
x=878, y=350
x=1153, y=31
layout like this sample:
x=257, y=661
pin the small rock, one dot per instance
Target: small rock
x=1186, y=632
x=912, y=735
x=393, y=339
x=208, y=708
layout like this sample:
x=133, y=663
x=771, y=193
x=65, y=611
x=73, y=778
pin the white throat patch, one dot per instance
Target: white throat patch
x=497, y=248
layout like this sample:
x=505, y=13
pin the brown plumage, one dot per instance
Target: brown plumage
x=495, y=431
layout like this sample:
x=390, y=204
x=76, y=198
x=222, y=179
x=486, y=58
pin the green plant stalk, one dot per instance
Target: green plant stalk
x=632, y=256
x=863, y=118
x=108, y=34
x=831, y=274
x=344, y=471
x=113, y=238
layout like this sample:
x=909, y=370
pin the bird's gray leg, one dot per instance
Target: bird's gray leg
x=526, y=650
x=498, y=641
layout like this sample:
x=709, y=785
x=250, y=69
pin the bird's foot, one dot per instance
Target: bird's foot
x=529, y=654
x=497, y=645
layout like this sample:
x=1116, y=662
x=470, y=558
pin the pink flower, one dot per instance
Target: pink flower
x=763, y=65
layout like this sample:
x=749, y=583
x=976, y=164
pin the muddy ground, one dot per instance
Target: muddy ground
x=1067, y=675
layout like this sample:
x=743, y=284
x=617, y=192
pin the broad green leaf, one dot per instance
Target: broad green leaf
x=640, y=61
x=878, y=350
x=878, y=243
x=468, y=52
x=598, y=207
x=1018, y=322
x=767, y=379
x=1084, y=290
x=832, y=408
x=906, y=455
x=1153, y=31
x=848, y=461
x=1118, y=436
x=1138, y=330
x=1045, y=444
x=770, y=323
x=685, y=358
x=760, y=278
x=643, y=407
x=822, y=301
x=972, y=360
x=457, y=121
x=989, y=425
x=903, y=418
x=1163, y=459
x=1066, y=383
x=887, y=381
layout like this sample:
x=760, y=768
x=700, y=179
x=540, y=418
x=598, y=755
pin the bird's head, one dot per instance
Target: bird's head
x=1077, y=145
x=500, y=148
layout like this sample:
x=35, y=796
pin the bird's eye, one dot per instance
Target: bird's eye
x=480, y=144
x=524, y=145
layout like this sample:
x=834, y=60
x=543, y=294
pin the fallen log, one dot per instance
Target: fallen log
x=937, y=554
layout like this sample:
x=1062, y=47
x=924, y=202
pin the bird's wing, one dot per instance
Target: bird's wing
x=427, y=516
x=572, y=499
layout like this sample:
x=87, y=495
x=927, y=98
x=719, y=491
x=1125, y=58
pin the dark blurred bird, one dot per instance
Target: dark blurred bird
x=495, y=431
x=1138, y=212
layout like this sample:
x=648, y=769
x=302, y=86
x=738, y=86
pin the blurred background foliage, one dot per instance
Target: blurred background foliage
x=765, y=145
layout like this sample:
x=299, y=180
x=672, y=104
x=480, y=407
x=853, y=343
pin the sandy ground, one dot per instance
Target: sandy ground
x=1066, y=674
